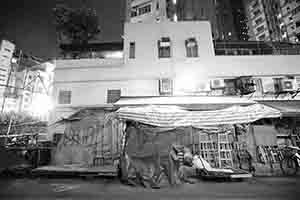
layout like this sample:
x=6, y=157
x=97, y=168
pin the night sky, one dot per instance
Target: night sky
x=30, y=23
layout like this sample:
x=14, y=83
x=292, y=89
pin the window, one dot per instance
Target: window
x=257, y=12
x=297, y=24
x=64, y=97
x=165, y=86
x=6, y=49
x=260, y=29
x=134, y=13
x=191, y=47
x=259, y=21
x=132, y=50
x=113, y=95
x=262, y=37
x=255, y=5
x=145, y=9
x=164, y=48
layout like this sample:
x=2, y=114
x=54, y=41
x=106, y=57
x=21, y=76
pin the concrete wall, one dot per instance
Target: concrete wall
x=146, y=35
x=89, y=79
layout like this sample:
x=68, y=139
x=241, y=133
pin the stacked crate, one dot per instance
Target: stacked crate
x=224, y=150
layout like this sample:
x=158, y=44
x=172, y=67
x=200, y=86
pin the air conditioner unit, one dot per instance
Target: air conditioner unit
x=203, y=86
x=297, y=82
x=267, y=85
x=217, y=84
x=287, y=85
x=246, y=85
x=165, y=86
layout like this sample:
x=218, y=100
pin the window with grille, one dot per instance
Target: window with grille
x=145, y=9
x=64, y=97
x=256, y=13
x=132, y=50
x=191, y=47
x=164, y=48
x=298, y=24
x=113, y=95
x=260, y=29
x=259, y=21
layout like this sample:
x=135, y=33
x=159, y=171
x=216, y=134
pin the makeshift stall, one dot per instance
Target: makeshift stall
x=90, y=145
x=155, y=133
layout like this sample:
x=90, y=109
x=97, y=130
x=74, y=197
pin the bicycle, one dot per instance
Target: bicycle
x=290, y=160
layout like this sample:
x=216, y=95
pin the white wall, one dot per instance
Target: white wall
x=146, y=35
x=89, y=79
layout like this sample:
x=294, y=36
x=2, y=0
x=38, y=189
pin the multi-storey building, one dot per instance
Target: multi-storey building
x=225, y=19
x=239, y=20
x=290, y=17
x=6, y=53
x=177, y=58
x=263, y=21
x=218, y=12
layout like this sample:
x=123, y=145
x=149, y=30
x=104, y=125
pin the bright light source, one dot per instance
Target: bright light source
x=41, y=105
x=175, y=19
x=174, y=1
x=117, y=54
x=13, y=60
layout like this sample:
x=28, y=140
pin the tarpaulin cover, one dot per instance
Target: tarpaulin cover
x=174, y=116
x=147, y=150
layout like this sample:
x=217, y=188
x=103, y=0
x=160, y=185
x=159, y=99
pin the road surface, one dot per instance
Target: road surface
x=68, y=189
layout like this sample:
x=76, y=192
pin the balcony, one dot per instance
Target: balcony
x=223, y=48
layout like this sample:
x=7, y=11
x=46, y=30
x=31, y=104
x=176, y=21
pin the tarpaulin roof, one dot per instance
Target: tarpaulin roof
x=288, y=108
x=189, y=102
x=174, y=116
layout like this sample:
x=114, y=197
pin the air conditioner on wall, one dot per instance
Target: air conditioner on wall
x=287, y=85
x=297, y=82
x=165, y=86
x=246, y=85
x=217, y=84
x=267, y=85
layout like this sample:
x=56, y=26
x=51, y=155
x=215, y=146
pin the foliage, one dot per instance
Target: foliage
x=16, y=117
x=78, y=25
x=21, y=122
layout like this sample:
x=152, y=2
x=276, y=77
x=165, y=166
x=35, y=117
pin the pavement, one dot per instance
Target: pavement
x=69, y=189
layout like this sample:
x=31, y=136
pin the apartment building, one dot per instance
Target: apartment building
x=177, y=58
x=6, y=53
x=262, y=20
x=218, y=12
x=290, y=17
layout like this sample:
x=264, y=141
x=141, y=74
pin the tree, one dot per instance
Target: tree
x=79, y=25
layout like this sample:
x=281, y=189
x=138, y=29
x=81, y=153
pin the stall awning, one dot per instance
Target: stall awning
x=189, y=102
x=174, y=116
x=289, y=108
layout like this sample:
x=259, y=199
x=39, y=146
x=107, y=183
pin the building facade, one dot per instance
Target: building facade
x=220, y=13
x=177, y=58
x=290, y=17
x=239, y=20
x=262, y=20
x=6, y=53
x=276, y=20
